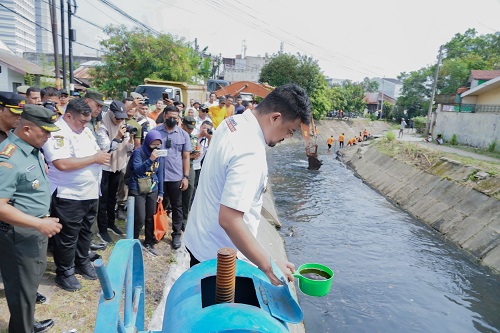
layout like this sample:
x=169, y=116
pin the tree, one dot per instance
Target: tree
x=132, y=55
x=416, y=91
x=303, y=70
x=369, y=85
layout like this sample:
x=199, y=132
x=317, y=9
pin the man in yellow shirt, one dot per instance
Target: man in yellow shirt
x=218, y=112
x=229, y=107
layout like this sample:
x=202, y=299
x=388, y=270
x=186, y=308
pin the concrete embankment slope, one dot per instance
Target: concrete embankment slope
x=463, y=215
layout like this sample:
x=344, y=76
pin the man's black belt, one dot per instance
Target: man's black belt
x=5, y=226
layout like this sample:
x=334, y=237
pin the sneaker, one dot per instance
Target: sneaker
x=114, y=229
x=88, y=272
x=150, y=248
x=105, y=237
x=176, y=241
x=68, y=283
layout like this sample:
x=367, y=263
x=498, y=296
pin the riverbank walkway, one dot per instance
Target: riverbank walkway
x=419, y=139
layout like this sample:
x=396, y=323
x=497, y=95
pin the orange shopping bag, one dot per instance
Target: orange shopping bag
x=161, y=222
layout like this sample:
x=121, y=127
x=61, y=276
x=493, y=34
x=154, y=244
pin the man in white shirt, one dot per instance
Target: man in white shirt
x=226, y=208
x=75, y=163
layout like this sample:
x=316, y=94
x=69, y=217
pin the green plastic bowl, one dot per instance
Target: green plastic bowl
x=314, y=279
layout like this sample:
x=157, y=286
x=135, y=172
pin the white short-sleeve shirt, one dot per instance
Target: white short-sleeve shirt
x=80, y=184
x=234, y=174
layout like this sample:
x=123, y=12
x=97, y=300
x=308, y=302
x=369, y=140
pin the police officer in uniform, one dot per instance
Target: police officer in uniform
x=24, y=207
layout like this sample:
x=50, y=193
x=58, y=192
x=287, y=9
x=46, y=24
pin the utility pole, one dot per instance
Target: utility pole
x=63, y=45
x=382, y=103
x=71, y=39
x=434, y=85
x=53, y=20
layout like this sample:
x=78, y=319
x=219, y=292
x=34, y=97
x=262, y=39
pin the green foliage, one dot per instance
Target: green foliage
x=348, y=97
x=373, y=116
x=30, y=79
x=369, y=86
x=390, y=136
x=492, y=146
x=132, y=55
x=302, y=70
x=416, y=92
x=388, y=111
x=453, y=140
x=419, y=124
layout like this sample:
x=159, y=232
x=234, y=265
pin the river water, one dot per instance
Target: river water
x=392, y=272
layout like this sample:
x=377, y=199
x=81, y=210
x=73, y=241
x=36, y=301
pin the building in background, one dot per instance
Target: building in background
x=44, y=43
x=389, y=87
x=243, y=69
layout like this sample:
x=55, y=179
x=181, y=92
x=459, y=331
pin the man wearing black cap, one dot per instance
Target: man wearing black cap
x=24, y=207
x=189, y=125
x=96, y=101
x=11, y=107
x=64, y=99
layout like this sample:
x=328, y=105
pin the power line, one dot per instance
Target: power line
x=125, y=14
x=38, y=25
x=87, y=21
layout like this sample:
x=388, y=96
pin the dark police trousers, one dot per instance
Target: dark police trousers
x=107, y=200
x=174, y=194
x=23, y=258
x=72, y=244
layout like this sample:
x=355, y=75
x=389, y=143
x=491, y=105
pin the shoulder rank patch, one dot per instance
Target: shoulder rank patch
x=5, y=164
x=8, y=150
x=231, y=124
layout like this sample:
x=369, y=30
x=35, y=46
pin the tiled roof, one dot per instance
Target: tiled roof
x=483, y=74
x=21, y=65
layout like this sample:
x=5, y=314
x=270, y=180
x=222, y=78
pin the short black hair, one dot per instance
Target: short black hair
x=207, y=122
x=49, y=91
x=245, y=103
x=32, y=89
x=290, y=100
x=78, y=106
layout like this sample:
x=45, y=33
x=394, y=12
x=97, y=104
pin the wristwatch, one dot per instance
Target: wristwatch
x=187, y=177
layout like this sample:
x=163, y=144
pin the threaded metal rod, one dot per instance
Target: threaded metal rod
x=225, y=280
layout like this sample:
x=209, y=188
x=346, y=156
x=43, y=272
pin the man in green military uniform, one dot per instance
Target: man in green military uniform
x=24, y=207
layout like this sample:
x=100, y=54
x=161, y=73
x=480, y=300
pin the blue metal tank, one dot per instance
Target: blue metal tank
x=258, y=306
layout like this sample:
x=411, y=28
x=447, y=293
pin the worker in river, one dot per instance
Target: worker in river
x=329, y=142
x=341, y=141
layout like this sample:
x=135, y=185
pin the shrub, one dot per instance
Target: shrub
x=492, y=146
x=373, y=116
x=390, y=136
x=453, y=140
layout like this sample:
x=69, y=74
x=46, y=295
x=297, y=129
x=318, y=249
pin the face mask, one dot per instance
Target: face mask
x=171, y=122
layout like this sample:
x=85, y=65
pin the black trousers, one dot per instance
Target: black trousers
x=144, y=209
x=186, y=198
x=72, y=244
x=174, y=194
x=107, y=200
x=23, y=259
x=196, y=181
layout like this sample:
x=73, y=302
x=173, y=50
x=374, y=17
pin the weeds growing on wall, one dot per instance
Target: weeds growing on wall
x=390, y=136
x=492, y=146
x=453, y=140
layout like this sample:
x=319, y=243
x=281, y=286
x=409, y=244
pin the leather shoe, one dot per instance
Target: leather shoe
x=104, y=236
x=98, y=247
x=176, y=241
x=43, y=325
x=68, y=283
x=88, y=272
x=114, y=229
x=94, y=256
x=40, y=299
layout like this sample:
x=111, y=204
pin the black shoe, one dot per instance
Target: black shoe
x=68, y=283
x=98, y=247
x=105, y=237
x=176, y=241
x=43, y=325
x=114, y=229
x=150, y=248
x=120, y=214
x=88, y=272
x=94, y=256
x=40, y=299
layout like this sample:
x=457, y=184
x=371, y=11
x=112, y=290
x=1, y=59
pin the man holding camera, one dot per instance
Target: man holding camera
x=112, y=137
x=176, y=179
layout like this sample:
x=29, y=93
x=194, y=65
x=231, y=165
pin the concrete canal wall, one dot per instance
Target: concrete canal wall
x=463, y=215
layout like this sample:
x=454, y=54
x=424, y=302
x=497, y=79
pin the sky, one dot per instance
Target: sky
x=351, y=39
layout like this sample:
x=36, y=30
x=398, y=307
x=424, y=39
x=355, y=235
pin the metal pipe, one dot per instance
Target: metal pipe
x=130, y=217
x=63, y=45
x=103, y=276
x=135, y=307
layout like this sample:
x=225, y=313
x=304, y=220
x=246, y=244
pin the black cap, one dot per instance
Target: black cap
x=40, y=116
x=63, y=92
x=118, y=109
x=222, y=100
x=190, y=122
x=14, y=102
x=96, y=96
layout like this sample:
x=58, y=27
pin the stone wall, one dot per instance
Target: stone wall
x=463, y=215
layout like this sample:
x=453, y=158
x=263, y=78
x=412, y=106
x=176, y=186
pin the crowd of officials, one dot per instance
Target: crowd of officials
x=67, y=168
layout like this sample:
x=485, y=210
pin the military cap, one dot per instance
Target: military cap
x=96, y=96
x=190, y=122
x=14, y=102
x=22, y=89
x=40, y=116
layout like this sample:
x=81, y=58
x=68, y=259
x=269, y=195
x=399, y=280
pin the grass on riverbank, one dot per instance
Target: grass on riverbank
x=480, y=151
x=78, y=310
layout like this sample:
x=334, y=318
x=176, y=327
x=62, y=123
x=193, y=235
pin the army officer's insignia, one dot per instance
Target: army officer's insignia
x=35, y=184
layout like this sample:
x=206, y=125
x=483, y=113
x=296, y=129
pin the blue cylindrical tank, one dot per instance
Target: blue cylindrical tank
x=191, y=304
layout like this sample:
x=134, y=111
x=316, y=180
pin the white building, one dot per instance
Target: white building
x=389, y=87
x=243, y=69
x=19, y=29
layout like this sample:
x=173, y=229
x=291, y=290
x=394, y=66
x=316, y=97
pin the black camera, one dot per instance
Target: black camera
x=204, y=108
x=131, y=129
x=209, y=131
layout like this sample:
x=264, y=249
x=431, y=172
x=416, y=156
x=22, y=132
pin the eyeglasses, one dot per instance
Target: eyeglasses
x=120, y=119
